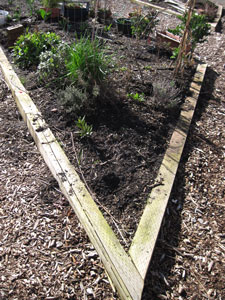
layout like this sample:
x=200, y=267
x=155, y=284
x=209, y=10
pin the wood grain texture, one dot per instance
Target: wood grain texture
x=143, y=244
x=118, y=264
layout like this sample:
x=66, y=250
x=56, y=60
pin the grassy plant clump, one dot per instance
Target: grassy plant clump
x=165, y=95
x=28, y=47
x=52, y=63
x=87, y=56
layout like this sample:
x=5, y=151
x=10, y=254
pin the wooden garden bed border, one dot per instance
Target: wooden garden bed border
x=145, y=237
x=214, y=24
x=127, y=271
x=118, y=264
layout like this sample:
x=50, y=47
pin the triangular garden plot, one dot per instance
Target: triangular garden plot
x=126, y=270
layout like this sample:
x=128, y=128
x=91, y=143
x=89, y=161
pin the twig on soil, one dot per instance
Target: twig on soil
x=93, y=196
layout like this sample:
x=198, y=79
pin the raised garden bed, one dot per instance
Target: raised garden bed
x=117, y=263
x=132, y=122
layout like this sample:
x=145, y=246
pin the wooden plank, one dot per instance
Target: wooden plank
x=160, y=9
x=143, y=244
x=118, y=264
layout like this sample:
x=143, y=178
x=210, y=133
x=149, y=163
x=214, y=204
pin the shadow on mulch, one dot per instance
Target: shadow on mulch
x=158, y=281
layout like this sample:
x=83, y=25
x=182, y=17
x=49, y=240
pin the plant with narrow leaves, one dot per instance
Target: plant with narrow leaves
x=165, y=94
x=30, y=4
x=87, y=56
x=74, y=100
x=85, y=130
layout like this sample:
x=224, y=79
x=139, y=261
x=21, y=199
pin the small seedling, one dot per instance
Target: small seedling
x=107, y=28
x=137, y=97
x=123, y=69
x=147, y=67
x=44, y=14
x=85, y=130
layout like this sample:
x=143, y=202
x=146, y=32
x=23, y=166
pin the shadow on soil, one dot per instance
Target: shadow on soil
x=158, y=280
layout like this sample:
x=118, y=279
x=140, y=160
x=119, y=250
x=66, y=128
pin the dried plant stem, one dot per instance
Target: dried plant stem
x=179, y=68
x=93, y=196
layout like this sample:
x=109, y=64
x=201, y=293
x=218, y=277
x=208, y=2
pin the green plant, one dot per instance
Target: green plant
x=17, y=14
x=107, y=27
x=86, y=57
x=175, y=53
x=142, y=25
x=198, y=26
x=50, y=3
x=123, y=69
x=44, y=14
x=52, y=63
x=28, y=47
x=85, y=129
x=165, y=94
x=137, y=97
x=74, y=100
x=63, y=22
x=148, y=67
x=30, y=4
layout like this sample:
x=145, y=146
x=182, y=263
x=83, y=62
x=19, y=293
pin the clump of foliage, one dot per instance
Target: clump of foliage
x=30, y=4
x=137, y=97
x=198, y=26
x=143, y=25
x=44, y=14
x=50, y=3
x=52, y=63
x=28, y=47
x=87, y=56
x=85, y=130
x=86, y=67
x=74, y=99
x=165, y=95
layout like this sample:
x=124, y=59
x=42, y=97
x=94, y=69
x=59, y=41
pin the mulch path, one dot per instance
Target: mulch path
x=44, y=252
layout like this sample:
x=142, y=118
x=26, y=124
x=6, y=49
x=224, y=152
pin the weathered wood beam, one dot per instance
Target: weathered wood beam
x=143, y=243
x=166, y=11
x=118, y=264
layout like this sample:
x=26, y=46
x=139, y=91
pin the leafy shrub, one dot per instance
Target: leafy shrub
x=50, y=3
x=165, y=94
x=53, y=62
x=86, y=56
x=74, y=100
x=28, y=47
x=142, y=25
x=198, y=26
